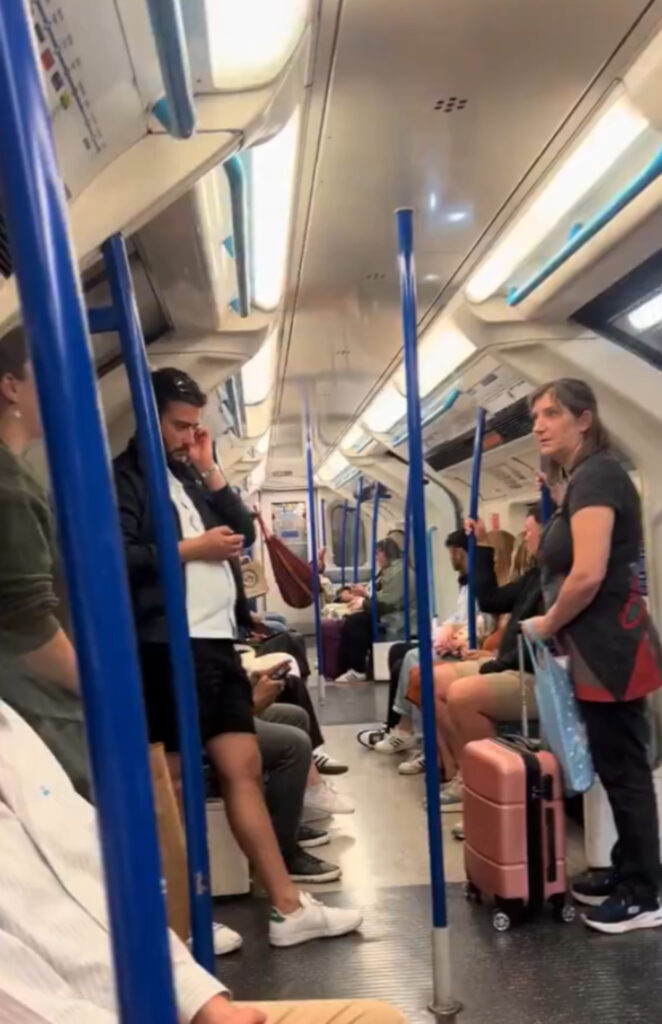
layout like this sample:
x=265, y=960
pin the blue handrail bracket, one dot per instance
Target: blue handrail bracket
x=175, y=110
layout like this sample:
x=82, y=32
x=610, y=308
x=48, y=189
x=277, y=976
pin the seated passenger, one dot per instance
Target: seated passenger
x=473, y=695
x=213, y=526
x=449, y=640
x=55, y=953
x=356, y=633
x=38, y=671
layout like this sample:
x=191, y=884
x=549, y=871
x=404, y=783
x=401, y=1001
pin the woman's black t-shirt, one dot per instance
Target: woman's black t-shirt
x=604, y=642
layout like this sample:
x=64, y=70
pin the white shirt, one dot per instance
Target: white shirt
x=211, y=592
x=55, y=954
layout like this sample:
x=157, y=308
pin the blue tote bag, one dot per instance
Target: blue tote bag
x=561, y=722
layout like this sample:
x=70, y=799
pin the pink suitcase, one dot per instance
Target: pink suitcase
x=514, y=829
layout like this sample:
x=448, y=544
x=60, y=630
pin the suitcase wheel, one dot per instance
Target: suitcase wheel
x=471, y=893
x=563, y=910
x=501, y=921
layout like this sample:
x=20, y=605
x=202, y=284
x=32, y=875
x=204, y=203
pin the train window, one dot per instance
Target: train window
x=336, y=535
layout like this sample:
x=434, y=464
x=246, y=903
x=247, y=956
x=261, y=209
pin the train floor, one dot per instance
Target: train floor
x=542, y=972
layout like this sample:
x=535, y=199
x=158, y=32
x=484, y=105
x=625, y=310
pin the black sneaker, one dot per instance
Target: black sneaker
x=327, y=765
x=310, y=837
x=624, y=913
x=594, y=887
x=303, y=867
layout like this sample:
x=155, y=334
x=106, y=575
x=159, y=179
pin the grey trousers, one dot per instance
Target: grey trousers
x=282, y=735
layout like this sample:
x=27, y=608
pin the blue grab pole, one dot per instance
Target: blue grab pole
x=546, y=504
x=323, y=521
x=153, y=461
x=433, y=590
x=373, y=564
x=473, y=514
x=310, y=477
x=443, y=1001
x=357, y=530
x=406, y=558
x=56, y=325
x=343, y=544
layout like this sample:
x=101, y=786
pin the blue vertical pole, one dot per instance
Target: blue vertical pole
x=153, y=461
x=35, y=210
x=343, y=545
x=473, y=514
x=373, y=563
x=323, y=521
x=357, y=530
x=313, y=539
x=406, y=558
x=546, y=503
x=433, y=590
x=443, y=1002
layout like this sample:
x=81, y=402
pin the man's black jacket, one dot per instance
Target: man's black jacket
x=216, y=508
x=521, y=599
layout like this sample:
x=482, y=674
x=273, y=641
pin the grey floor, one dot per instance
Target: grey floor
x=540, y=973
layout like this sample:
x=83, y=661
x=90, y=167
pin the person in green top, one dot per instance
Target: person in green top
x=356, y=632
x=38, y=670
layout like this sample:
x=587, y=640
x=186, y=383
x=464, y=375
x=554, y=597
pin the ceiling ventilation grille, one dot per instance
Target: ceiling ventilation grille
x=451, y=104
x=375, y=277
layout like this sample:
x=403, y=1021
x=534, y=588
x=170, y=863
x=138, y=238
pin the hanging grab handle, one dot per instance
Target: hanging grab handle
x=175, y=110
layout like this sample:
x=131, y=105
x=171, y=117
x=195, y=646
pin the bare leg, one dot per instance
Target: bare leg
x=236, y=758
x=447, y=741
x=474, y=706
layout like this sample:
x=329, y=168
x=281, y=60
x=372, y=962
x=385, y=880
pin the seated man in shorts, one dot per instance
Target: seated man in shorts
x=472, y=695
x=213, y=526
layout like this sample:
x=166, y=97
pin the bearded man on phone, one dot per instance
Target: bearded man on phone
x=213, y=527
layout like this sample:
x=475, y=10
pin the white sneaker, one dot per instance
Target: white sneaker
x=313, y=920
x=323, y=800
x=414, y=765
x=225, y=940
x=351, y=676
x=395, y=742
x=452, y=796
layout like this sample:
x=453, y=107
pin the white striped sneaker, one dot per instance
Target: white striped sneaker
x=414, y=765
x=395, y=742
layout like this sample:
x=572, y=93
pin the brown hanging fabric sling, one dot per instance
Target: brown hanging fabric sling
x=293, y=576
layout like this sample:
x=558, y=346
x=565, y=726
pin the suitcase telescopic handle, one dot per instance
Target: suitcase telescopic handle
x=522, y=682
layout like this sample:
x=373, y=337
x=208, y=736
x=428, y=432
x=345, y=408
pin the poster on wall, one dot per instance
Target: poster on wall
x=289, y=522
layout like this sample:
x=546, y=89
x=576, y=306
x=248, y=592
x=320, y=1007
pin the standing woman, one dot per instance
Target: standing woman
x=589, y=558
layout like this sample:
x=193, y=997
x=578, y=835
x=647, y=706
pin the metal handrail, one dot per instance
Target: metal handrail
x=175, y=110
x=56, y=325
x=357, y=528
x=170, y=568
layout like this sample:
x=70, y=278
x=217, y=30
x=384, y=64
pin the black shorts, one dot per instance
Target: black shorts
x=225, y=699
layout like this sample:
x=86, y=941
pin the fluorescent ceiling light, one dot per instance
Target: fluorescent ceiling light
x=257, y=375
x=647, y=315
x=615, y=131
x=250, y=41
x=262, y=446
x=273, y=166
x=440, y=352
x=334, y=464
x=387, y=408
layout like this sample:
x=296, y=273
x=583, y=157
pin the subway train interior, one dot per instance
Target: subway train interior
x=243, y=175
